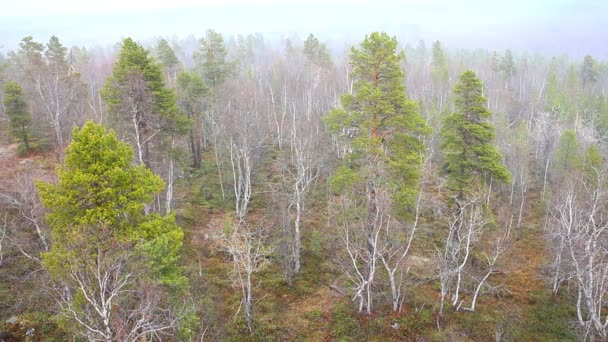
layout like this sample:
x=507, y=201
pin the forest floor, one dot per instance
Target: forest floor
x=310, y=308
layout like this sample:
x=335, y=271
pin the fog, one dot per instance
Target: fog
x=549, y=27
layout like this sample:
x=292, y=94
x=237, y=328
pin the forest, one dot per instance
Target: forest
x=239, y=188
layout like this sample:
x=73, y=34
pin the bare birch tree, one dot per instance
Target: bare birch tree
x=249, y=251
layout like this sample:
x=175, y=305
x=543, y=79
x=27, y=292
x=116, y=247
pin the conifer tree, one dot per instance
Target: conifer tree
x=168, y=60
x=16, y=109
x=495, y=62
x=56, y=57
x=140, y=104
x=212, y=60
x=471, y=159
x=109, y=259
x=593, y=166
x=439, y=64
x=191, y=92
x=166, y=55
x=567, y=155
x=588, y=71
x=383, y=129
x=507, y=65
x=316, y=52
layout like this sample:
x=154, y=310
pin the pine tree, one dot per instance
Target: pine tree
x=108, y=256
x=439, y=70
x=507, y=65
x=166, y=55
x=554, y=95
x=15, y=107
x=383, y=129
x=588, y=71
x=316, y=52
x=212, y=60
x=467, y=140
x=168, y=60
x=379, y=121
x=138, y=100
x=56, y=57
x=495, y=62
x=29, y=56
x=191, y=92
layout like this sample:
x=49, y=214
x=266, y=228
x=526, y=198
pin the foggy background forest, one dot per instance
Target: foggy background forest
x=346, y=170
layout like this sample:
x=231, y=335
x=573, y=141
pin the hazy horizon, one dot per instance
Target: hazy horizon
x=548, y=27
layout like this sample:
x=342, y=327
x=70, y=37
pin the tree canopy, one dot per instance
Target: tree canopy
x=468, y=139
x=99, y=228
x=16, y=109
x=381, y=124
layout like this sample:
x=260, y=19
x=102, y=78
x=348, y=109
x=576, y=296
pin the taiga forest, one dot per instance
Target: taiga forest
x=303, y=171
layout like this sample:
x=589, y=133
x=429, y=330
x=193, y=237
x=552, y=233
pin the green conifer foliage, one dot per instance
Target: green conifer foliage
x=378, y=120
x=15, y=107
x=212, y=60
x=468, y=140
x=107, y=255
x=567, y=155
x=138, y=100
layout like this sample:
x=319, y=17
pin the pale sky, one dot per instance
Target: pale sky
x=547, y=26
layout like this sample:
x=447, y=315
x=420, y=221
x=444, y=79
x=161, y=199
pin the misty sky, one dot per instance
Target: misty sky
x=547, y=26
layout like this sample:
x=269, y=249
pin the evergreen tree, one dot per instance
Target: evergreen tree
x=439, y=64
x=420, y=51
x=381, y=124
x=212, y=61
x=108, y=256
x=29, y=56
x=166, y=55
x=554, y=95
x=589, y=71
x=191, y=92
x=137, y=98
x=383, y=128
x=316, y=52
x=467, y=140
x=168, y=60
x=507, y=65
x=567, y=156
x=56, y=57
x=593, y=166
x=15, y=107
x=495, y=62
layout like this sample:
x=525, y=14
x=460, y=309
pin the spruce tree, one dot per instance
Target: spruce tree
x=167, y=58
x=467, y=140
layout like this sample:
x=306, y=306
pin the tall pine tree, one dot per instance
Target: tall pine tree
x=383, y=129
x=140, y=105
x=471, y=159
